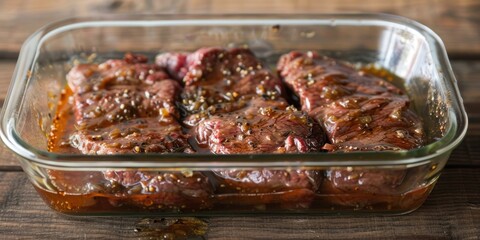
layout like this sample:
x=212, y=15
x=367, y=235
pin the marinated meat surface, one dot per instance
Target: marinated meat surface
x=225, y=101
x=123, y=107
x=132, y=70
x=171, y=189
x=358, y=111
x=140, y=135
x=371, y=123
x=128, y=106
x=174, y=63
x=218, y=80
x=265, y=126
x=318, y=80
x=268, y=181
x=373, y=181
x=236, y=106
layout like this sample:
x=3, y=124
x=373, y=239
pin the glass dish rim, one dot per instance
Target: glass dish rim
x=452, y=138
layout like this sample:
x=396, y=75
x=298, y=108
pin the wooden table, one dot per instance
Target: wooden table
x=451, y=212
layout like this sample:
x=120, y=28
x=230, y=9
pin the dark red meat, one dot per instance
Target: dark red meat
x=359, y=112
x=372, y=123
x=189, y=190
x=133, y=70
x=128, y=106
x=140, y=135
x=175, y=64
x=218, y=80
x=264, y=126
x=125, y=108
x=236, y=106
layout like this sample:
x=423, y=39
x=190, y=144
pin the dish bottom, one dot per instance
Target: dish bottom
x=289, y=202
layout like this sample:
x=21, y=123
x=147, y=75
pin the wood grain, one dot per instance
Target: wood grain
x=6, y=71
x=468, y=78
x=23, y=214
x=456, y=22
x=8, y=159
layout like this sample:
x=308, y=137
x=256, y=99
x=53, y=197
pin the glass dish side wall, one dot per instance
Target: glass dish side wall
x=339, y=189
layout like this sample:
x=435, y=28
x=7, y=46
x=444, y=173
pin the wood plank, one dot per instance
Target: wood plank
x=8, y=159
x=6, y=72
x=468, y=79
x=19, y=19
x=451, y=212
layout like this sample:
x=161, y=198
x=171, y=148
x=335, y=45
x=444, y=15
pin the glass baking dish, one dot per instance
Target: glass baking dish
x=73, y=183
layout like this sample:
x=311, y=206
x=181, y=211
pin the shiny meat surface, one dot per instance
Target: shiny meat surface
x=318, y=80
x=218, y=80
x=122, y=106
x=128, y=106
x=169, y=188
x=268, y=181
x=359, y=112
x=132, y=70
x=374, y=123
x=140, y=135
x=236, y=106
x=224, y=101
x=265, y=126
x=374, y=181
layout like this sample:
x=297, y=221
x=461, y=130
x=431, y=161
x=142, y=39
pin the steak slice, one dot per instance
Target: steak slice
x=318, y=80
x=235, y=106
x=378, y=123
x=138, y=135
x=132, y=70
x=264, y=126
x=174, y=190
x=218, y=80
x=359, y=112
x=123, y=107
x=128, y=106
